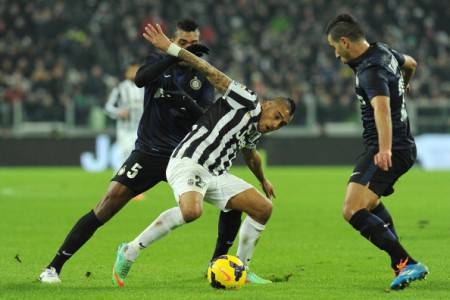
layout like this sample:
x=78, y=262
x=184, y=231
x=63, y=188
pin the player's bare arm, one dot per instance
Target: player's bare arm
x=254, y=163
x=156, y=36
x=408, y=69
x=382, y=112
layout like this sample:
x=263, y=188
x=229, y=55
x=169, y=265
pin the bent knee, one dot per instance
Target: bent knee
x=191, y=214
x=347, y=213
x=265, y=212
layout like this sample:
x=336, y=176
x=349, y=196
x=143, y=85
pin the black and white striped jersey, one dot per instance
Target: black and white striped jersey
x=126, y=95
x=229, y=125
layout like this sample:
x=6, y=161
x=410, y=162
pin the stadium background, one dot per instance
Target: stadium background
x=60, y=59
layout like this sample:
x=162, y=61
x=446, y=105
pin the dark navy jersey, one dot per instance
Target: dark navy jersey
x=378, y=73
x=165, y=120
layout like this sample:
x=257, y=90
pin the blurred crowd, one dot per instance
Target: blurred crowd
x=58, y=56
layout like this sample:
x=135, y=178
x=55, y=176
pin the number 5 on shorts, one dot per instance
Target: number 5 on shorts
x=134, y=171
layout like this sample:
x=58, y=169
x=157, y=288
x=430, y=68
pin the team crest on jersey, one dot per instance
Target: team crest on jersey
x=122, y=170
x=195, y=83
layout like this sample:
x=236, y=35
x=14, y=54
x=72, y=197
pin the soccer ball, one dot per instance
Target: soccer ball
x=227, y=272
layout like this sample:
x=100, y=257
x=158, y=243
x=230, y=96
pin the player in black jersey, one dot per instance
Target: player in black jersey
x=382, y=76
x=176, y=95
x=198, y=167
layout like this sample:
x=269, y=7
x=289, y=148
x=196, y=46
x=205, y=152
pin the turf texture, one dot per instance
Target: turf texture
x=307, y=248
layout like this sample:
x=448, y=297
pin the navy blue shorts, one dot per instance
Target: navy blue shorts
x=382, y=182
x=142, y=171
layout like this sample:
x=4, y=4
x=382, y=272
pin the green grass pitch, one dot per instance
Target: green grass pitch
x=307, y=245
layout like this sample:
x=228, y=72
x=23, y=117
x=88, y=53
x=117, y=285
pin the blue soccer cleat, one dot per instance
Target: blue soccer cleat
x=255, y=279
x=408, y=274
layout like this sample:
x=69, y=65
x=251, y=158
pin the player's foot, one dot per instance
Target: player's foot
x=121, y=267
x=408, y=274
x=253, y=278
x=49, y=276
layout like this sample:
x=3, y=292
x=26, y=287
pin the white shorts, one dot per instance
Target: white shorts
x=185, y=175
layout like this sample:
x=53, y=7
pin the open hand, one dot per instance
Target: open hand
x=268, y=189
x=383, y=159
x=156, y=37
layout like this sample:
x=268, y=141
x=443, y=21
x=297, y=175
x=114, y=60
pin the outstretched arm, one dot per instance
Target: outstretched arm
x=152, y=70
x=253, y=161
x=157, y=38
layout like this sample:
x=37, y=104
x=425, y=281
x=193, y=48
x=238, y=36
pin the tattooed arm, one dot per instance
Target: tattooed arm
x=157, y=38
x=218, y=79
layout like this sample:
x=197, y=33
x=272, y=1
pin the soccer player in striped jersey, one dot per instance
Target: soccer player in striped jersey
x=125, y=105
x=198, y=167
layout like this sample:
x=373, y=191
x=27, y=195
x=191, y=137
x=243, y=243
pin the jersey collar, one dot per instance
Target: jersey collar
x=354, y=63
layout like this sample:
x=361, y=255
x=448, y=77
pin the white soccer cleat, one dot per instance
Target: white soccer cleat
x=49, y=276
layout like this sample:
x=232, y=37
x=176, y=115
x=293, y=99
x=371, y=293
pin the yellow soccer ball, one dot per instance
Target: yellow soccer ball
x=227, y=272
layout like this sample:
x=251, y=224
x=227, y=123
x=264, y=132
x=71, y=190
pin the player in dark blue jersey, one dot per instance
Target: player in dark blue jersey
x=382, y=76
x=176, y=95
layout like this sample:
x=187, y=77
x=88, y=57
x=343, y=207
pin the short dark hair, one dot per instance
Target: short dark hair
x=292, y=106
x=344, y=25
x=187, y=25
x=287, y=101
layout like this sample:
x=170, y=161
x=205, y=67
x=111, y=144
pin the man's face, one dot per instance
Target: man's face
x=341, y=48
x=186, y=38
x=274, y=115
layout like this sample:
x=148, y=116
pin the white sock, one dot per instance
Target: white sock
x=168, y=220
x=248, y=237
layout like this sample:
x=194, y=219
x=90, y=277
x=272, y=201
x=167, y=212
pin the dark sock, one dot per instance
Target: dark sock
x=376, y=231
x=228, y=228
x=80, y=234
x=381, y=212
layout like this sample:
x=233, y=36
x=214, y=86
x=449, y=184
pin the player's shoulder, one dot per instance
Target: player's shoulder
x=379, y=58
x=241, y=94
x=237, y=88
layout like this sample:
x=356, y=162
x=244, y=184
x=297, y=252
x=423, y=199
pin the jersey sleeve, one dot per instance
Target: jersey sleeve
x=374, y=82
x=399, y=57
x=112, y=105
x=240, y=94
x=152, y=69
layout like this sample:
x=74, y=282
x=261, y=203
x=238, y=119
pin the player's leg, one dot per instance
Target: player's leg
x=381, y=212
x=366, y=186
x=229, y=192
x=258, y=209
x=128, y=252
x=116, y=197
x=189, y=182
x=127, y=183
x=358, y=200
x=190, y=208
x=228, y=227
